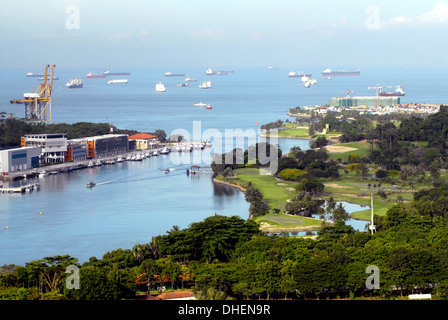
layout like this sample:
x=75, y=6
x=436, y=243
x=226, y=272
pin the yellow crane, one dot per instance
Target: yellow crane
x=38, y=104
x=378, y=89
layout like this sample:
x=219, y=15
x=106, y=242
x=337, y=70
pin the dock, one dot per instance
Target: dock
x=22, y=189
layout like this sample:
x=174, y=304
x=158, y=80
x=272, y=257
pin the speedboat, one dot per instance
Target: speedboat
x=90, y=184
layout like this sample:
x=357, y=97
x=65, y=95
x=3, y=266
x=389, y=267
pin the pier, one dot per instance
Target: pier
x=199, y=169
x=21, y=189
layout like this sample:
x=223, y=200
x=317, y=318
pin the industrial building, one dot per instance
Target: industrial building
x=367, y=101
x=54, y=146
x=17, y=159
x=107, y=145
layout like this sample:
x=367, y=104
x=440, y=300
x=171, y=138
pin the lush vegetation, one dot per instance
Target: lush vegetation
x=11, y=130
x=228, y=258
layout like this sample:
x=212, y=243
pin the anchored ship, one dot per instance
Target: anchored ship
x=160, y=87
x=170, y=74
x=74, y=84
x=329, y=73
x=117, y=81
x=90, y=75
x=30, y=74
x=205, y=85
x=293, y=74
x=399, y=92
x=108, y=73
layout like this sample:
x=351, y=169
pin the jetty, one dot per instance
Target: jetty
x=22, y=189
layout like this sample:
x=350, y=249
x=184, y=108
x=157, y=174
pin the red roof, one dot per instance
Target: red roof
x=142, y=136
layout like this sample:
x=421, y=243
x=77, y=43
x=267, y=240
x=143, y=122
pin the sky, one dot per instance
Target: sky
x=170, y=33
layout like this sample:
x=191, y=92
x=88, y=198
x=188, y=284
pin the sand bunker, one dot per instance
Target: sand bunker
x=338, y=149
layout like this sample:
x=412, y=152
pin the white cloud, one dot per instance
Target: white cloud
x=439, y=14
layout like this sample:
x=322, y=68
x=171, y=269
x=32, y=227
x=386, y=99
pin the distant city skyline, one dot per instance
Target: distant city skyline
x=172, y=33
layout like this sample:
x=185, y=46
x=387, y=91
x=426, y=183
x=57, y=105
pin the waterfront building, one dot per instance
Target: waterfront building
x=144, y=141
x=54, y=146
x=107, y=145
x=17, y=159
x=77, y=150
x=368, y=101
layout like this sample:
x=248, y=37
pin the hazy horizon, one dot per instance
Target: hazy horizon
x=197, y=33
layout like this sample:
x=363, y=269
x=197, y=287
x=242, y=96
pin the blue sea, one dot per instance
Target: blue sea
x=135, y=201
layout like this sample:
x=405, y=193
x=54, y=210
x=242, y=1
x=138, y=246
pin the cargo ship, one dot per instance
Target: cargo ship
x=160, y=87
x=74, y=84
x=30, y=74
x=210, y=72
x=48, y=78
x=399, y=92
x=117, y=81
x=170, y=74
x=300, y=74
x=329, y=73
x=108, y=73
x=90, y=75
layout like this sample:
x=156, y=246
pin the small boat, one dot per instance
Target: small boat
x=166, y=170
x=99, y=163
x=90, y=164
x=160, y=87
x=182, y=84
x=188, y=79
x=155, y=153
x=120, y=159
x=90, y=184
x=200, y=104
x=43, y=173
x=208, y=107
x=165, y=151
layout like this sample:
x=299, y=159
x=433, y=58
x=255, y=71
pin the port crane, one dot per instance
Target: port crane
x=378, y=89
x=38, y=104
x=347, y=92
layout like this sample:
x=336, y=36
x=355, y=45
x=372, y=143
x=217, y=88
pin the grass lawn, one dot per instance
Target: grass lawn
x=343, y=150
x=274, y=192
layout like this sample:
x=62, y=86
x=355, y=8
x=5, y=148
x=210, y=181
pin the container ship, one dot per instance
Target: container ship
x=330, y=73
x=90, y=75
x=74, y=84
x=108, y=73
x=399, y=92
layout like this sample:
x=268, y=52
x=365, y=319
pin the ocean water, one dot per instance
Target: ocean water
x=135, y=201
